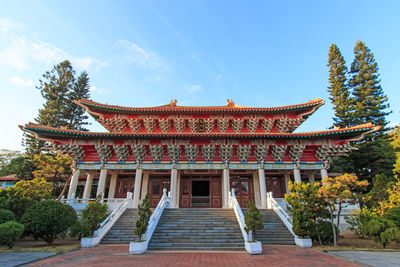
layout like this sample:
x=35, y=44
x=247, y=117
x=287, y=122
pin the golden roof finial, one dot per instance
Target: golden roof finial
x=173, y=102
x=230, y=103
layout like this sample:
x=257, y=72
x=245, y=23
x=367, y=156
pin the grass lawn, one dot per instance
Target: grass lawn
x=351, y=242
x=59, y=246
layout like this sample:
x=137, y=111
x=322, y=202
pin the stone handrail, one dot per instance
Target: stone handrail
x=106, y=225
x=239, y=215
x=282, y=214
x=156, y=215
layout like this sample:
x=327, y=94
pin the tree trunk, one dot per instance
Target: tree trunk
x=338, y=220
x=333, y=227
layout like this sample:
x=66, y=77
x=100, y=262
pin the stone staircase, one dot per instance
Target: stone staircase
x=197, y=229
x=274, y=232
x=122, y=232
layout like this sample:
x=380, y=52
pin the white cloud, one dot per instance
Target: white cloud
x=134, y=54
x=20, y=81
x=100, y=91
x=22, y=54
x=6, y=25
x=194, y=88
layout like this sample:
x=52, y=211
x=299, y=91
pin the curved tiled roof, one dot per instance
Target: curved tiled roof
x=61, y=133
x=97, y=109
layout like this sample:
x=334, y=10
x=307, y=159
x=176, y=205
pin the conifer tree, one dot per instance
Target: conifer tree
x=338, y=89
x=76, y=115
x=371, y=104
x=59, y=88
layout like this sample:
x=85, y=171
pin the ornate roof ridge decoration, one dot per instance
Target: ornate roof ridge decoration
x=350, y=133
x=97, y=109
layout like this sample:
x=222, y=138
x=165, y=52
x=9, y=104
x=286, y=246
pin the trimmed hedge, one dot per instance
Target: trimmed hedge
x=9, y=232
x=48, y=220
x=6, y=216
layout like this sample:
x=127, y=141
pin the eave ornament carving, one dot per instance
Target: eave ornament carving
x=208, y=152
x=191, y=152
x=122, y=152
x=139, y=152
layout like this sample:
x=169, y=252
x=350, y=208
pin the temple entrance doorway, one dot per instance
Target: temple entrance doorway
x=125, y=184
x=276, y=185
x=243, y=186
x=156, y=186
x=200, y=191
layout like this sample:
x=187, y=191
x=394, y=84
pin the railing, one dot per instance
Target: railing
x=239, y=215
x=282, y=214
x=155, y=217
x=106, y=225
x=81, y=203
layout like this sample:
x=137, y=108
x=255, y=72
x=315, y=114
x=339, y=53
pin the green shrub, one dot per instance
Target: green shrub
x=6, y=216
x=48, y=219
x=253, y=219
x=322, y=232
x=380, y=231
x=394, y=215
x=9, y=232
x=79, y=229
x=144, y=216
x=9, y=201
x=92, y=216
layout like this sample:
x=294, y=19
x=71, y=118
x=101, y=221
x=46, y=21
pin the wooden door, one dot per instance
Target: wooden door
x=276, y=185
x=244, y=190
x=156, y=186
x=185, y=192
x=124, y=185
x=216, y=192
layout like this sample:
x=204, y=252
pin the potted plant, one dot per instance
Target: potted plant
x=140, y=246
x=301, y=226
x=254, y=221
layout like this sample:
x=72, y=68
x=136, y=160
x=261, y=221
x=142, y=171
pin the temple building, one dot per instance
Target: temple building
x=199, y=153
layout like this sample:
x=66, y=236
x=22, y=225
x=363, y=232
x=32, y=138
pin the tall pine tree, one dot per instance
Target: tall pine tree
x=368, y=103
x=60, y=88
x=338, y=89
x=371, y=104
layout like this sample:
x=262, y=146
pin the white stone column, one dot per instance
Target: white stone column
x=174, y=177
x=256, y=188
x=311, y=178
x=287, y=179
x=113, y=185
x=102, y=183
x=145, y=184
x=138, y=183
x=324, y=173
x=297, y=175
x=225, y=188
x=263, y=188
x=88, y=185
x=178, y=186
x=73, y=184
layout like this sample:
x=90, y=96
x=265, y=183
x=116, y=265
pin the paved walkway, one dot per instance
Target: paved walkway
x=372, y=258
x=117, y=255
x=9, y=259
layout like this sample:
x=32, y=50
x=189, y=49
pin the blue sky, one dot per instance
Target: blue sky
x=145, y=53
